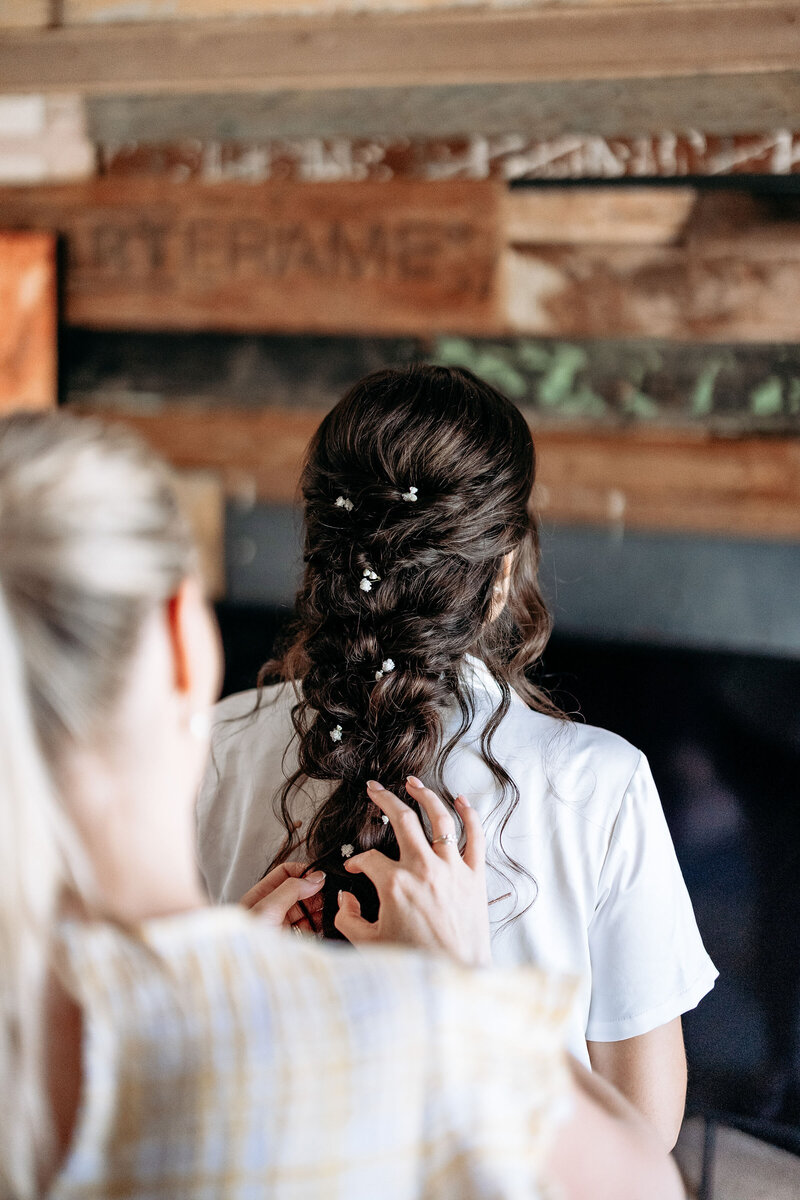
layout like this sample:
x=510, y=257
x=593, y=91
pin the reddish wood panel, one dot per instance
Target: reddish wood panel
x=148, y=254
x=510, y=156
x=747, y=487
x=28, y=325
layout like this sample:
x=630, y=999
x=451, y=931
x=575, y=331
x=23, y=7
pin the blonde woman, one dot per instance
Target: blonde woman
x=153, y=1047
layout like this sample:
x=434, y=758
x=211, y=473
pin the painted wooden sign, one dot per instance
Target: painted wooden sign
x=148, y=254
x=28, y=324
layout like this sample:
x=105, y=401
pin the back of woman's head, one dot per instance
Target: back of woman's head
x=91, y=539
x=416, y=486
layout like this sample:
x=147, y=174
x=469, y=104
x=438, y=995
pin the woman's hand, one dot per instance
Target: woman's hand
x=286, y=897
x=433, y=898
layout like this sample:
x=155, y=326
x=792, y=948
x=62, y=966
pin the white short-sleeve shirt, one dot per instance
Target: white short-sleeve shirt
x=607, y=902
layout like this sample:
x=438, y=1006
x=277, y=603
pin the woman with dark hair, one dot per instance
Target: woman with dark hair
x=418, y=619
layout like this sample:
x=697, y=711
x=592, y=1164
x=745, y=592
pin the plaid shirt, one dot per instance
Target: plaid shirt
x=226, y=1060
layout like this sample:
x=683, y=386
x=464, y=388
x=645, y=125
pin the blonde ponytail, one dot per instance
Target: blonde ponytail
x=91, y=538
x=31, y=878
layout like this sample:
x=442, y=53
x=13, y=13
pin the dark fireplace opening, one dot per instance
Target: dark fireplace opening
x=722, y=733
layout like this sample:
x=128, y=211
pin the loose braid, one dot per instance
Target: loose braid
x=416, y=486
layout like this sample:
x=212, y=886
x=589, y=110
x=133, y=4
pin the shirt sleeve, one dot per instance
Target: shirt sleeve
x=648, y=961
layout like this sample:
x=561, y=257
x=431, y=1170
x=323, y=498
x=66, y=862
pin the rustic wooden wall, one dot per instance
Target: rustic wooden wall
x=267, y=167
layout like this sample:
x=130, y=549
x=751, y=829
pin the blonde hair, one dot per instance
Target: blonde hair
x=91, y=538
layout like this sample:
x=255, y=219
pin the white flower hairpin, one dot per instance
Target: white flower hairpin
x=336, y=733
x=347, y=850
x=386, y=666
x=344, y=502
x=411, y=495
x=368, y=578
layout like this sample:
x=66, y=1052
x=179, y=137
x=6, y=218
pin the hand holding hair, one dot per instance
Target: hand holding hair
x=286, y=897
x=433, y=898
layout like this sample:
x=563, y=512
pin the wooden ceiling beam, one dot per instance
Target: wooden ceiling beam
x=382, y=50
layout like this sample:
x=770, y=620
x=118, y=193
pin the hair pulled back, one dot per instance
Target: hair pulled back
x=91, y=539
x=469, y=453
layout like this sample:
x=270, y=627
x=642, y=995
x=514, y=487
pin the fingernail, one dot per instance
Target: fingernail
x=412, y=779
x=339, y=898
x=373, y=783
x=463, y=801
x=316, y=877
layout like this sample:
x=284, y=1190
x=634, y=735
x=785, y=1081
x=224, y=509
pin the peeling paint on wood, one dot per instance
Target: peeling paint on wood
x=511, y=157
x=682, y=293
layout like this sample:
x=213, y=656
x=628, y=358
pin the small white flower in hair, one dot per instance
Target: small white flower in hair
x=336, y=733
x=411, y=495
x=369, y=577
x=386, y=666
x=384, y=818
x=347, y=850
x=345, y=503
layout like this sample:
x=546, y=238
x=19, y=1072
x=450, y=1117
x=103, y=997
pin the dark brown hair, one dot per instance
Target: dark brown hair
x=469, y=453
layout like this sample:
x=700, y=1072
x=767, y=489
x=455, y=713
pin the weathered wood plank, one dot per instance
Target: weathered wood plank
x=28, y=324
x=563, y=111
x=104, y=11
x=382, y=50
x=727, y=389
x=19, y=14
x=43, y=139
x=330, y=257
x=685, y=293
x=419, y=258
x=510, y=157
x=202, y=497
x=747, y=487
x=633, y=217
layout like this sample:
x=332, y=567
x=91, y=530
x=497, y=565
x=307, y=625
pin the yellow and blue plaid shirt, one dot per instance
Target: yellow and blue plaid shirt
x=225, y=1061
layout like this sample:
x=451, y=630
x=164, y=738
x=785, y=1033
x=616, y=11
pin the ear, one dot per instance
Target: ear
x=194, y=644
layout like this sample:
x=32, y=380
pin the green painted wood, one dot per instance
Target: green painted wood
x=560, y=383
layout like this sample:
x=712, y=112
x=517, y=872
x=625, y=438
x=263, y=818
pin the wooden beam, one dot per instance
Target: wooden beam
x=329, y=258
x=202, y=498
x=420, y=258
x=551, y=109
x=599, y=216
x=668, y=481
x=105, y=11
x=28, y=324
x=20, y=14
x=389, y=50
x=692, y=293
